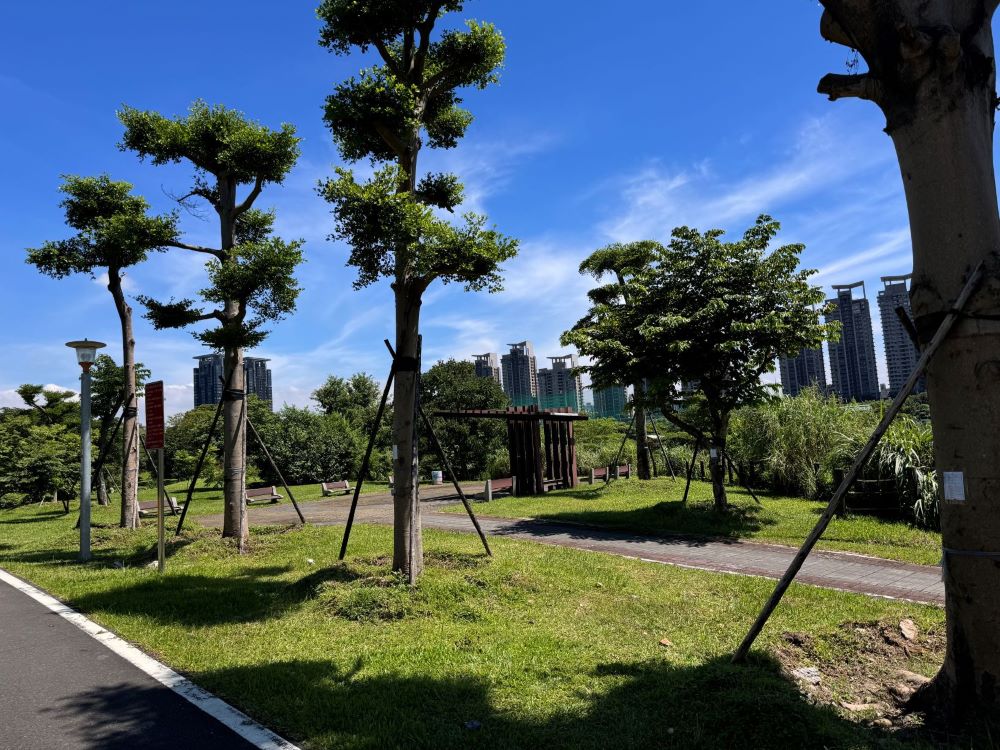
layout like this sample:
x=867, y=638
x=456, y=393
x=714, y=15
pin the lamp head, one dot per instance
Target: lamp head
x=86, y=352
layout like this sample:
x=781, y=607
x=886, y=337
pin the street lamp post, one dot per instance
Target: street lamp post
x=86, y=354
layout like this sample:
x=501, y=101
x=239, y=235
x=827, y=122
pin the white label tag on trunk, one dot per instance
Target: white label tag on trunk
x=953, y=484
x=713, y=453
x=395, y=453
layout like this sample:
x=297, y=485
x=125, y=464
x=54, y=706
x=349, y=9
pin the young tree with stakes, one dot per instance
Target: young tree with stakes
x=250, y=273
x=392, y=222
x=114, y=232
x=708, y=312
x=932, y=71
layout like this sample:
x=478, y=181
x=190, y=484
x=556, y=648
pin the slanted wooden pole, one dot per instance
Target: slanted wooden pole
x=618, y=456
x=201, y=457
x=690, y=471
x=368, y=456
x=859, y=461
x=277, y=471
x=666, y=459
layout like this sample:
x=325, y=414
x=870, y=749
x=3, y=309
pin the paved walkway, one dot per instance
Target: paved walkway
x=60, y=689
x=836, y=570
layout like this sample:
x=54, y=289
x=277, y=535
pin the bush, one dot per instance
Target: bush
x=308, y=447
x=795, y=443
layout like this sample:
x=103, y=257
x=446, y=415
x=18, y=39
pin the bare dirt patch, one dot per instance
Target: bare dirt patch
x=867, y=670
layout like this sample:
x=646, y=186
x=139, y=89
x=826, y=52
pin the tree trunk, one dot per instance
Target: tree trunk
x=234, y=453
x=716, y=450
x=102, y=490
x=641, y=438
x=129, y=518
x=407, y=548
x=947, y=166
x=235, y=523
x=933, y=74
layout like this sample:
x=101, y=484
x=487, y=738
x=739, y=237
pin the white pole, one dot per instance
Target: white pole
x=85, y=464
x=160, y=497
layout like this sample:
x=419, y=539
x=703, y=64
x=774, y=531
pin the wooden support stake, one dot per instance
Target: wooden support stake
x=663, y=450
x=277, y=471
x=367, y=459
x=859, y=461
x=690, y=470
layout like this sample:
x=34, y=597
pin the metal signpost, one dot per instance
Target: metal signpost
x=154, y=440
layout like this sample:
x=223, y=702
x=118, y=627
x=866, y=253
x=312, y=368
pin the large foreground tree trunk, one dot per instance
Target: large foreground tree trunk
x=932, y=72
x=717, y=470
x=407, y=548
x=130, y=423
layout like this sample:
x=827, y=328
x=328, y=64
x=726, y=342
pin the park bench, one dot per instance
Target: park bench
x=343, y=486
x=148, y=510
x=261, y=493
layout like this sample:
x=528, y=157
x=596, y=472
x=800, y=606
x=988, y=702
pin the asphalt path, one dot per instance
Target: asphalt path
x=60, y=689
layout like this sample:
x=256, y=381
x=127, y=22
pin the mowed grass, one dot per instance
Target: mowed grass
x=207, y=500
x=654, y=507
x=537, y=647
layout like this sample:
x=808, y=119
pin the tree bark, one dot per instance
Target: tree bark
x=407, y=548
x=933, y=74
x=234, y=451
x=717, y=448
x=947, y=167
x=129, y=518
x=642, y=461
x=235, y=524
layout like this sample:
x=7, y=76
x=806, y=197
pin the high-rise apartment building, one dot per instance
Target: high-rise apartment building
x=852, y=359
x=900, y=353
x=558, y=386
x=520, y=374
x=804, y=370
x=609, y=402
x=209, y=373
x=488, y=366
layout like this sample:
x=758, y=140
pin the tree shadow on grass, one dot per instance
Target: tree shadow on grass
x=37, y=517
x=639, y=705
x=670, y=518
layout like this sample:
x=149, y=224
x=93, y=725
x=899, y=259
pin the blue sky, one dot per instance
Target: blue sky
x=610, y=124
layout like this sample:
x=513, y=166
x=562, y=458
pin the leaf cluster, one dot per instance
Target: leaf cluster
x=114, y=229
x=387, y=114
x=218, y=141
x=700, y=311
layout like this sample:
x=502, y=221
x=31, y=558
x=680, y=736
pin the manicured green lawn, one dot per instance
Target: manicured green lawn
x=654, y=507
x=538, y=647
x=207, y=500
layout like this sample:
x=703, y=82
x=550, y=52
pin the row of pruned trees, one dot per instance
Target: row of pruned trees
x=393, y=221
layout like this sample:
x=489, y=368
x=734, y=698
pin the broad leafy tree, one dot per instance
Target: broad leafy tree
x=931, y=70
x=393, y=221
x=712, y=315
x=472, y=445
x=355, y=398
x=621, y=262
x=309, y=447
x=114, y=231
x=250, y=272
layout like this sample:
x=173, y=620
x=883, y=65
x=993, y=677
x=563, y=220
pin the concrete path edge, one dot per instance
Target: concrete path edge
x=250, y=730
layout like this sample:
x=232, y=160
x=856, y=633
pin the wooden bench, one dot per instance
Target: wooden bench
x=150, y=511
x=342, y=486
x=261, y=493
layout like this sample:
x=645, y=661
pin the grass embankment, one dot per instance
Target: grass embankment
x=538, y=647
x=654, y=507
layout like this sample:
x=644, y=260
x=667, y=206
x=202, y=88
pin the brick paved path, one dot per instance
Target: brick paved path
x=835, y=570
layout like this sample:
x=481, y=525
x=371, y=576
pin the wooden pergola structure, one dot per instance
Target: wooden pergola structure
x=536, y=466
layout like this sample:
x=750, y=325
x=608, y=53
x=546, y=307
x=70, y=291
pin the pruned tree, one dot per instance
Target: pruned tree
x=932, y=72
x=599, y=329
x=250, y=273
x=393, y=221
x=114, y=231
